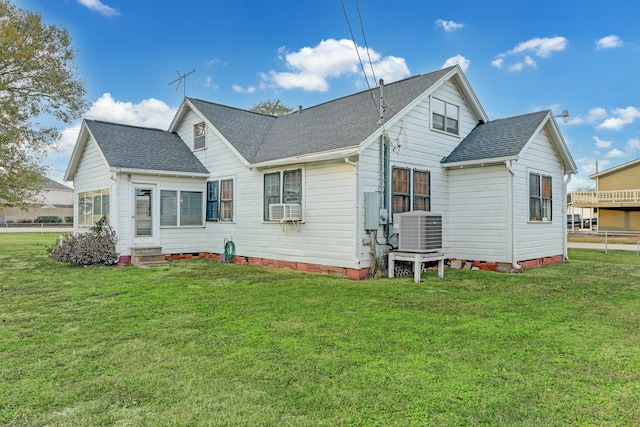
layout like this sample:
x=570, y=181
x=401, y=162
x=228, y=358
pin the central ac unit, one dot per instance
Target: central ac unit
x=419, y=231
x=285, y=212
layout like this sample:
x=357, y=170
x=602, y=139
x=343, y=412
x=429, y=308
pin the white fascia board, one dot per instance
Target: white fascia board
x=479, y=163
x=308, y=158
x=153, y=172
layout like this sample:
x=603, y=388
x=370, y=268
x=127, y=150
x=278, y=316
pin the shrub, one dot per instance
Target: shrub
x=25, y=221
x=48, y=219
x=68, y=219
x=96, y=247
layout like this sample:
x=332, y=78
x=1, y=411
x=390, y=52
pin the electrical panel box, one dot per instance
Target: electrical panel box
x=371, y=210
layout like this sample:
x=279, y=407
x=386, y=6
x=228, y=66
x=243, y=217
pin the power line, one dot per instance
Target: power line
x=359, y=58
x=366, y=45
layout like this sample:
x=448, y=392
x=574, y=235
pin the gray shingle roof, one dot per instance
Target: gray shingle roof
x=337, y=124
x=245, y=130
x=125, y=146
x=498, y=138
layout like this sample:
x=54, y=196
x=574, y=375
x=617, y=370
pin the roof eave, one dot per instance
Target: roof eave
x=308, y=158
x=157, y=172
x=476, y=163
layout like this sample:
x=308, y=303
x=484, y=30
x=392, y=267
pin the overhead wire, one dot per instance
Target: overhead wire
x=366, y=79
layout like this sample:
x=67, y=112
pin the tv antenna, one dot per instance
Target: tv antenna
x=182, y=79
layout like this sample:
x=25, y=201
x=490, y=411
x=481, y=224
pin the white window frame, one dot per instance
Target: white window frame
x=282, y=198
x=199, y=136
x=82, y=215
x=543, y=207
x=178, y=208
x=448, y=106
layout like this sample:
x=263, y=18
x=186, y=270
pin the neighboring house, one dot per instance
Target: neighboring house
x=616, y=199
x=55, y=199
x=333, y=171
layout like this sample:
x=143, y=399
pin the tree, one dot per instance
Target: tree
x=39, y=90
x=274, y=108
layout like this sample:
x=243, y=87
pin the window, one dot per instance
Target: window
x=539, y=197
x=92, y=206
x=220, y=200
x=182, y=208
x=407, y=197
x=199, y=136
x=282, y=187
x=444, y=116
x=168, y=208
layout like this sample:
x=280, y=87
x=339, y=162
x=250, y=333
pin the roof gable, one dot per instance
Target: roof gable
x=132, y=147
x=506, y=138
x=616, y=169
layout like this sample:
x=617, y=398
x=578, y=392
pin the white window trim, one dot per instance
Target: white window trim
x=412, y=192
x=204, y=137
x=178, y=208
x=281, y=172
x=541, y=174
x=443, y=131
x=77, y=209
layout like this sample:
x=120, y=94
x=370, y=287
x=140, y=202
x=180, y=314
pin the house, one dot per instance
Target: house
x=54, y=199
x=616, y=200
x=318, y=189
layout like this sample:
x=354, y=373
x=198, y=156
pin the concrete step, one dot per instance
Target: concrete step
x=147, y=256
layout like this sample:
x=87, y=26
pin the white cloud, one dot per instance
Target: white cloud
x=240, y=89
x=615, y=153
x=633, y=144
x=602, y=144
x=147, y=113
x=208, y=83
x=448, y=26
x=527, y=62
x=540, y=47
x=98, y=6
x=622, y=117
x=594, y=115
x=609, y=42
x=310, y=68
x=463, y=62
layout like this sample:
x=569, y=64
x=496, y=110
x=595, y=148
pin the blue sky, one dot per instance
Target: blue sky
x=582, y=56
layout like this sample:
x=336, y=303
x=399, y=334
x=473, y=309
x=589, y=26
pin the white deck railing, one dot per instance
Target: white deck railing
x=611, y=196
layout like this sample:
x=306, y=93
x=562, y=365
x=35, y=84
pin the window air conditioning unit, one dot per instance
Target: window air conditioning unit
x=419, y=231
x=285, y=212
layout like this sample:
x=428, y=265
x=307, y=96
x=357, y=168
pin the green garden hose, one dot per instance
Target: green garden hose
x=229, y=250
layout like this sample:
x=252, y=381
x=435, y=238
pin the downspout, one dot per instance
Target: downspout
x=356, y=215
x=565, y=245
x=512, y=218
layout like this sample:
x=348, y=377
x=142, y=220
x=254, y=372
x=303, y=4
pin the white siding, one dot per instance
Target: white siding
x=479, y=214
x=415, y=146
x=92, y=174
x=326, y=235
x=536, y=239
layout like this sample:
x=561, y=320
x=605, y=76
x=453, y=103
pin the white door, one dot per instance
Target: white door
x=145, y=230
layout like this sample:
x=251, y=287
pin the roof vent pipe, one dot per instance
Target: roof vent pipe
x=381, y=103
x=299, y=109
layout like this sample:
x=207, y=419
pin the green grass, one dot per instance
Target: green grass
x=204, y=343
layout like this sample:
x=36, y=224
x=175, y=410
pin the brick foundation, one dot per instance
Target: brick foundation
x=351, y=273
x=506, y=267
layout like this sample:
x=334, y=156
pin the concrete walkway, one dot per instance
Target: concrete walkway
x=602, y=246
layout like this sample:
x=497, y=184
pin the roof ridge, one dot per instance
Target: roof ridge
x=106, y=122
x=231, y=107
x=520, y=115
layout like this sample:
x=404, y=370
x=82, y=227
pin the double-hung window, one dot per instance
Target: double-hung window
x=282, y=187
x=180, y=208
x=199, y=136
x=411, y=190
x=445, y=116
x=220, y=199
x=540, y=202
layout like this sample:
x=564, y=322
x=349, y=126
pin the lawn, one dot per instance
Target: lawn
x=203, y=343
